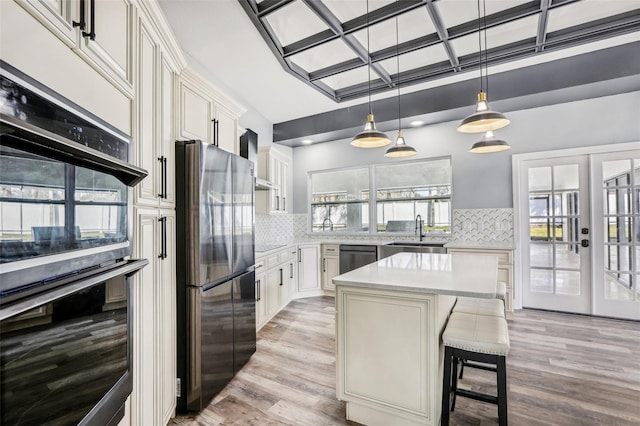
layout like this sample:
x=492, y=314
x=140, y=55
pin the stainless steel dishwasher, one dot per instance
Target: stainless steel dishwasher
x=355, y=256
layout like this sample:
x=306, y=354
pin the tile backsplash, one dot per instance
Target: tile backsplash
x=487, y=226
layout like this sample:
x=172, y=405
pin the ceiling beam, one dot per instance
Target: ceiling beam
x=266, y=7
x=443, y=34
x=541, y=35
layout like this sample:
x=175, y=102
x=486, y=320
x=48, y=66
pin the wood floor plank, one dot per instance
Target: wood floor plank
x=562, y=369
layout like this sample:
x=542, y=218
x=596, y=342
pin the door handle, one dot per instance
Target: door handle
x=92, y=17
x=163, y=240
x=584, y=243
x=81, y=23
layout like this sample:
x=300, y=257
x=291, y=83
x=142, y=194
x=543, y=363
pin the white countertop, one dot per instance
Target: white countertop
x=452, y=274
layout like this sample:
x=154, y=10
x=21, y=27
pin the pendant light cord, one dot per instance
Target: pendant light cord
x=398, y=64
x=480, y=45
x=486, y=47
x=368, y=59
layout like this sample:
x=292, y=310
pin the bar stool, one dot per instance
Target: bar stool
x=479, y=338
x=474, y=305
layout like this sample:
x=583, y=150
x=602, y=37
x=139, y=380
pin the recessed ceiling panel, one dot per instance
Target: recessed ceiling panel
x=294, y=22
x=325, y=55
x=349, y=78
x=586, y=11
x=416, y=59
x=500, y=35
x=456, y=12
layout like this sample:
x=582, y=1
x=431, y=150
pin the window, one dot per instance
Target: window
x=341, y=201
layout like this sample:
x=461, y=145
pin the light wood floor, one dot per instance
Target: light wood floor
x=562, y=370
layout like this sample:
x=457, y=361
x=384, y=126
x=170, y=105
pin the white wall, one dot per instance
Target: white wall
x=484, y=180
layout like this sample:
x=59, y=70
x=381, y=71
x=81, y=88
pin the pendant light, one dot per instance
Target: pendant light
x=400, y=149
x=483, y=119
x=370, y=137
x=489, y=143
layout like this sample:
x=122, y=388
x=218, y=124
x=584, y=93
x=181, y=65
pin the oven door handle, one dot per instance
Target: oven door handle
x=127, y=268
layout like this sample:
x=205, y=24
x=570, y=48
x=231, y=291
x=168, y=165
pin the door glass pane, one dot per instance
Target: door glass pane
x=541, y=281
x=565, y=177
x=568, y=283
x=541, y=255
x=540, y=179
x=615, y=290
x=568, y=256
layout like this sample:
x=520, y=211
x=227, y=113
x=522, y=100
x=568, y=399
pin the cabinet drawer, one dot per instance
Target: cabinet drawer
x=504, y=274
x=505, y=257
x=330, y=249
x=283, y=256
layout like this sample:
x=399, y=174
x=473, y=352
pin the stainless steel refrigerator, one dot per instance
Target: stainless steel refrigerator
x=215, y=270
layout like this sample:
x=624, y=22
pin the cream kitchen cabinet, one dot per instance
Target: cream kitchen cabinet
x=505, y=269
x=330, y=265
x=308, y=269
x=274, y=166
x=206, y=114
x=101, y=32
x=155, y=148
x=154, y=325
x=273, y=284
x=261, y=300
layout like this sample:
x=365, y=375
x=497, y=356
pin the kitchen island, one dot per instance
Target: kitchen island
x=389, y=319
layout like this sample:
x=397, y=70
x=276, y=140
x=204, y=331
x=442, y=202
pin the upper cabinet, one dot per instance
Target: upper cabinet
x=100, y=31
x=274, y=166
x=155, y=132
x=207, y=114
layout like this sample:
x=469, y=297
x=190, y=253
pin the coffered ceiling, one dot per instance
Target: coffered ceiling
x=329, y=43
x=304, y=64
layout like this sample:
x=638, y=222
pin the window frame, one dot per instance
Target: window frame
x=372, y=201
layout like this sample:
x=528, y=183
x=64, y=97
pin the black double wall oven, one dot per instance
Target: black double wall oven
x=65, y=242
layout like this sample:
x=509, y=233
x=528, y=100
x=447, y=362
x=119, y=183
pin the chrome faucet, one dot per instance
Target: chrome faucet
x=419, y=227
x=324, y=222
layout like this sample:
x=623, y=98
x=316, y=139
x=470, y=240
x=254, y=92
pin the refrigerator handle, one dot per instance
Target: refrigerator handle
x=281, y=277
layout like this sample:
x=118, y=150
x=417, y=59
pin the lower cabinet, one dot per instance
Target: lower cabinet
x=261, y=300
x=330, y=265
x=308, y=268
x=505, y=270
x=154, y=327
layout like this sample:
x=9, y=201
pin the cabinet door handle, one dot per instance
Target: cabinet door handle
x=258, y=291
x=284, y=203
x=324, y=265
x=163, y=238
x=163, y=179
x=215, y=132
x=281, y=277
x=291, y=270
x=92, y=18
x=299, y=255
x=82, y=23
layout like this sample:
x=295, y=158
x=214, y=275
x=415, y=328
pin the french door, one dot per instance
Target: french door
x=556, y=258
x=580, y=233
x=615, y=181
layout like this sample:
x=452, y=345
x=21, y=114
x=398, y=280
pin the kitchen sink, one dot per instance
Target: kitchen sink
x=415, y=244
x=387, y=250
